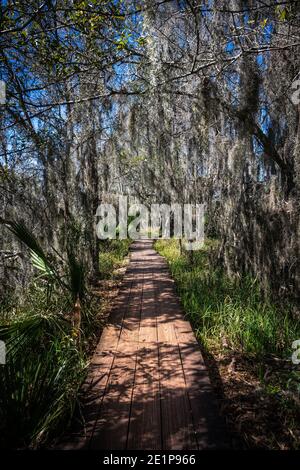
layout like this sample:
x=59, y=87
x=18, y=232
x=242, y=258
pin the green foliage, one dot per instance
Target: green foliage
x=46, y=364
x=123, y=41
x=142, y=41
x=282, y=12
x=73, y=269
x=76, y=277
x=111, y=256
x=40, y=381
x=230, y=311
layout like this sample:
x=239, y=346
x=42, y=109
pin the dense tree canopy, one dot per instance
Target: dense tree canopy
x=162, y=100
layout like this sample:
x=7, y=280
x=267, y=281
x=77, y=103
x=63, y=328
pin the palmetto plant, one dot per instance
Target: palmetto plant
x=71, y=280
x=45, y=365
x=39, y=384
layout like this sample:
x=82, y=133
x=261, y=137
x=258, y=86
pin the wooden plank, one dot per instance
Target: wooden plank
x=145, y=424
x=208, y=424
x=111, y=428
x=96, y=381
x=177, y=427
x=111, y=333
x=110, y=431
x=165, y=316
x=148, y=327
x=131, y=321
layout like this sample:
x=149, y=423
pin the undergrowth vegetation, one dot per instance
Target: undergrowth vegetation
x=47, y=333
x=111, y=256
x=227, y=311
x=247, y=341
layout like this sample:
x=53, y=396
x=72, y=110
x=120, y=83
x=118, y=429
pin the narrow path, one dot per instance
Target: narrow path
x=148, y=387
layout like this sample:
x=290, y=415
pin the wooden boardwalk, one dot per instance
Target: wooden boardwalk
x=148, y=387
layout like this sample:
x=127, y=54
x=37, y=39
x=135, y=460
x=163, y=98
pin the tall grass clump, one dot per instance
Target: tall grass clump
x=111, y=256
x=228, y=311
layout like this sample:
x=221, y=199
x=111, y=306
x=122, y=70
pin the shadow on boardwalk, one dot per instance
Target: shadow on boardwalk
x=148, y=386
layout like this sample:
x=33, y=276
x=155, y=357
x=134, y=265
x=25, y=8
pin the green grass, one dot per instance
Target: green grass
x=111, y=256
x=228, y=311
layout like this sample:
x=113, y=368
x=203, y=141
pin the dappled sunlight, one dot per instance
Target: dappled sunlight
x=152, y=389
